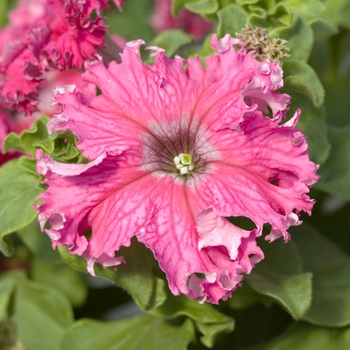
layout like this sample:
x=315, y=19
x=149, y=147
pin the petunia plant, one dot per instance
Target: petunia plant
x=174, y=174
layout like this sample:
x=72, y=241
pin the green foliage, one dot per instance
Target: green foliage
x=7, y=294
x=38, y=243
x=18, y=189
x=61, y=277
x=303, y=336
x=41, y=314
x=338, y=12
x=207, y=320
x=142, y=332
x=61, y=146
x=31, y=140
x=177, y=5
x=281, y=277
x=335, y=173
x=311, y=10
x=151, y=294
x=171, y=40
x=301, y=77
x=246, y=296
x=231, y=20
x=330, y=268
x=3, y=12
x=133, y=22
x=136, y=277
x=20, y=184
x=203, y=6
x=313, y=124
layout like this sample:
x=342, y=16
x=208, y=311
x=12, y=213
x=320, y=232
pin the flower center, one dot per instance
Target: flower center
x=183, y=163
x=179, y=148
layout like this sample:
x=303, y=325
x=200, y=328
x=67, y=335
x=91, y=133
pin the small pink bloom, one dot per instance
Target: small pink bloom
x=46, y=35
x=192, y=23
x=18, y=122
x=175, y=151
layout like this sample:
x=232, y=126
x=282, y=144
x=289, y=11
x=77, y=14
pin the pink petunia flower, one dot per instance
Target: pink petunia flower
x=175, y=150
x=46, y=35
x=192, y=23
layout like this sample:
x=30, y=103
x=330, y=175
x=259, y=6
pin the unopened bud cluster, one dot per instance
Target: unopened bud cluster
x=265, y=48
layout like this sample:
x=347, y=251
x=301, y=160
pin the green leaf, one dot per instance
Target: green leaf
x=338, y=12
x=246, y=2
x=246, y=296
x=317, y=251
x=330, y=267
x=151, y=294
x=171, y=40
x=335, y=172
x=61, y=277
x=178, y=5
x=32, y=139
x=312, y=122
x=331, y=298
x=203, y=7
x=280, y=276
x=333, y=8
x=18, y=190
x=62, y=145
x=323, y=29
x=136, y=276
x=208, y=321
x=41, y=313
x=311, y=10
x=3, y=12
x=270, y=17
x=7, y=293
x=38, y=242
x=133, y=22
x=142, y=332
x=232, y=19
x=64, y=148
x=301, y=77
x=13, y=141
x=303, y=336
x=199, y=5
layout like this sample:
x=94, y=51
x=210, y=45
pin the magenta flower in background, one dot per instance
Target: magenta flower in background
x=191, y=23
x=46, y=35
x=18, y=122
x=176, y=149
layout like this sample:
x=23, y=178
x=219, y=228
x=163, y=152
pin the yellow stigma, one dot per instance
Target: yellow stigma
x=183, y=163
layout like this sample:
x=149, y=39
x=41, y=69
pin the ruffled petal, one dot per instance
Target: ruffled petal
x=102, y=131
x=175, y=149
x=264, y=174
x=100, y=196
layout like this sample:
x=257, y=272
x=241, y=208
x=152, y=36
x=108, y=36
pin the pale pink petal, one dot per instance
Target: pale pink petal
x=48, y=164
x=215, y=231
